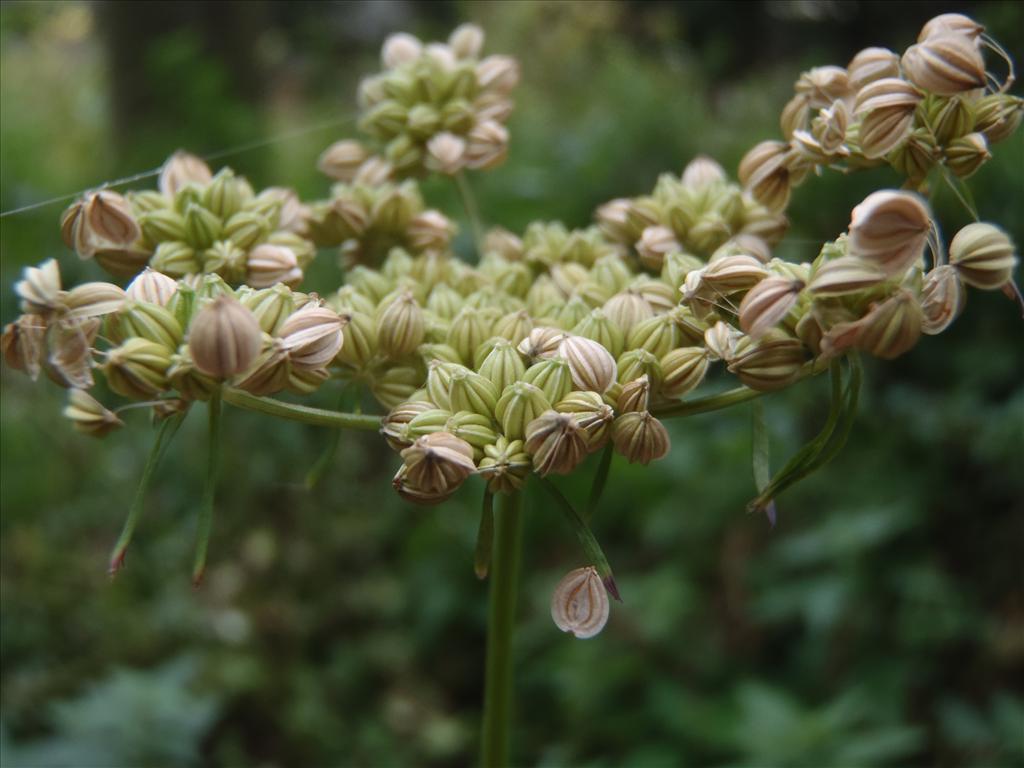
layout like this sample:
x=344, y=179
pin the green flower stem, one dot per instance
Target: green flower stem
x=708, y=403
x=205, y=522
x=163, y=439
x=508, y=534
x=600, y=480
x=319, y=417
x=468, y=200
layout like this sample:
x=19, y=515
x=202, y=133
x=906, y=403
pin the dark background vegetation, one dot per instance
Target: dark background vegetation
x=880, y=624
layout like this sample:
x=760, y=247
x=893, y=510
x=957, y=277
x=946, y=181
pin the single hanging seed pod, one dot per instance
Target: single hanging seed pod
x=90, y=416
x=580, y=603
x=984, y=256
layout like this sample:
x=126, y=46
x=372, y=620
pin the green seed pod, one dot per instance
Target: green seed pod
x=182, y=304
x=148, y=321
x=684, y=369
x=271, y=306
x=552, y=376
x=349, y=300
x=556, y=443
x=368, y=282
x=468, y=391
x=469, y=329
x=440, y=352
x=598, y=327
x=519, y=404
x=245, y=229
x=916, y=156
x=163, y=224
x=360, y=343
x=223, y=196
x=475, y=428
x=428, y=421
x=847, y=274
x=998, y=115
x=503, y=365
x=395, y=425
x=505, y=465
x=677, y=266
x=515, y=326
x=400, y=327
x=227, y=260
x=444, y=301
x=950, y=118
x=627, y=309
x=202, y=227
x=144, y=201
x=612, y=272
x=571, y=313
x=137, y=369
x=593, y=415
x=175, y=258
x=640, y=437
x=190, y=382
x=657, y=335
x=395, y=385
x=770, y=364
x=984, y=256
x=544, y=297
x=439, y=379
x=891, y=327
x=639, y=362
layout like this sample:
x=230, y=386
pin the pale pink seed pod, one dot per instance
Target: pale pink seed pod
x=655, y=244
x=466, y=41
x=947, y=23
x=945, y=65
x=152, y=286
x=542, y=343
x=180, y=169
x=984, y=256
x=312, y=336
x=942, y=298
x=580, y=603
x=487, y=145
x=269, y=264
x=763, y=172
x=823, y=85
x=498, y=73
x=438, y=462
x=886, y=110
x=890, y=230
x=110, y=220
x=224, y=338
x=847, y=274
x=870, y=65
x=767, y=303
x=400, y=48
x=892, y=327
x=446, y=153
x=591, y=365
x=342, y=159
x=701, y=172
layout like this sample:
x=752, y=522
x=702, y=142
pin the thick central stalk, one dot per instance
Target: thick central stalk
x=508, y=534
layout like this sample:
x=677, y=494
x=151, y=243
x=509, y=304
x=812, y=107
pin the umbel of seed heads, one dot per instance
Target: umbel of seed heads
x=559, y=342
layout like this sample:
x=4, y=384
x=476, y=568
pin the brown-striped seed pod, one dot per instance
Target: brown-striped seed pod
x=592, y=413
x=847, y=274
x=945, y=64
x=684, y=369
x=580, y=604
x=947, y=23
x=872, y=64
x=438, y=463
x=518, y=406
x=270, y=264
x=400, y=327
x=39, y=289
x=967, y=154
x=395, y=425
x=152, y=286
x=556, y=443
x=886, y=110
x=224, y=338
x=109, y=219
x=313, y=336
x=626, y=309
x=342, y=159
x=767, y=304
x=542, y=343
x=640, y=437
x=942, y=298
x=655, y=244
x=69, y=363
x=890, y=229
x=763, y=172
x=505, y=465
x=137, y=369
x=634, y=396
x=769, y=364
x=983, y=255
x=24, y=344
x=892, y=327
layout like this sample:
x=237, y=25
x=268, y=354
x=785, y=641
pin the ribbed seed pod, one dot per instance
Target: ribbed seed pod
x=137, y=369
x=635, y=395
x=998, y=115
x=313, y=336
x=945, y=64
x=640, y=437
x=439, y=379
x=360, y=340
x=395, y=385
x=598, y=327
x=967, y=154
x=468, y=391
x=92, y=300
x=476, y=429
x=505, y=465
x=150, y=321
x=886, y=110
x=188, y=380
x=395, y=425
x=847, y=274
x=542, y=343
x=271, y=306
x=892, y=327
x=552, y=376
x=438, y=463
x=767, y=304
x=152, y=286
x=592, y=413
x=947, y=23
x=503, y=365
x=591, y=366
x=684, y=369
x=519, y=405
x=730, y=274
x=769, y=364
x=637, y=363
x=224, y=338
x=889, y=229
x=579, y=603
x=515, y=326
x=720, y=341
x=90, y=416
x=39, y=289
x=942, y=298
x=469, y=329
x=657, y=335
x=400, y=327
x=626, y=309
x=872, y=64
x=556, y=442
x=428, y=422
x=983, y=255
x=763, y=172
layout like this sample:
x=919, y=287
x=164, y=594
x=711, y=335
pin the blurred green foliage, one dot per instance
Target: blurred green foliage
x=881, y=623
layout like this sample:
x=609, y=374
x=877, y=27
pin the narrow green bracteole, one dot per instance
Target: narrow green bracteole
x=204, y=524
